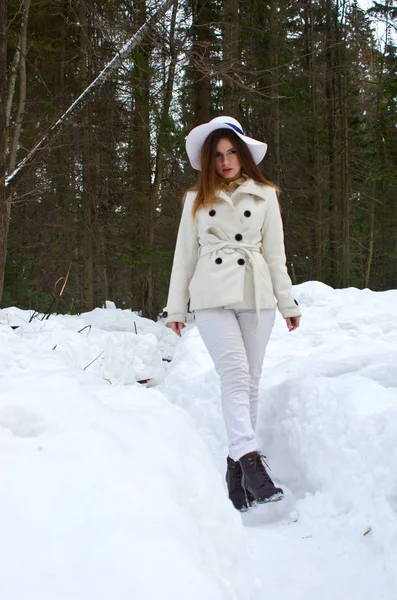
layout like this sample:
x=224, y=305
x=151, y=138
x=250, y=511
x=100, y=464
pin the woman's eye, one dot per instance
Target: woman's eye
x=232, y=152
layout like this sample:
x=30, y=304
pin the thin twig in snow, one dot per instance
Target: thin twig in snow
x=85, y=327
x=99, y=355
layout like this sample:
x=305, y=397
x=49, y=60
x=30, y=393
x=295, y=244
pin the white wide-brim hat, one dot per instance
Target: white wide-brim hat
x=197, y=136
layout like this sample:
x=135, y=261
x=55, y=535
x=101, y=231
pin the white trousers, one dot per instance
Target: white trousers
x=237, y=351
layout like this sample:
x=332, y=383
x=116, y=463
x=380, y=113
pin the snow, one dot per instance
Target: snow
x=112, y=487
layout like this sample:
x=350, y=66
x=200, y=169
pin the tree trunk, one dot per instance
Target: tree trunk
x=231, y=56
x=4, y=218
x=330, y=96
x=141, y=166
x=22, y=89
x=314, y=150
x=345, y=195
x=200, y=61
x=343, y=201
x=18, y=66
x=151, y=307
x=275, y=85
x=377, y=186
x=63, y=181
x=88, y=195
x=371, y=238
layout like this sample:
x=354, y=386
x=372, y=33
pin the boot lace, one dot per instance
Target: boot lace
x=235, y=474
x=260, y=462
x=263, y=459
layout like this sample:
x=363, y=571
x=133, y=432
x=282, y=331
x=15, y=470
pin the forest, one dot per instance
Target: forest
x=94, y=217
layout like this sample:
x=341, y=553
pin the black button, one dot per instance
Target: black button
x=212, y=213
x=218, y=261
x=238, y=237
x=165, y=314
x=241, y=261
x=247, y=213
x=296, y=302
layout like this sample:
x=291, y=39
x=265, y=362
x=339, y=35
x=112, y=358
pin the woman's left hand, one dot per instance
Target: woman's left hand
x=292, y=323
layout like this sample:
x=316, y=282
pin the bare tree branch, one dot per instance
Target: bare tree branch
x=83, y=99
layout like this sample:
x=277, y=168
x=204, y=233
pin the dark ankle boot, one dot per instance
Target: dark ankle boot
x=257, y=480
x=250, y=497
x=237, y=494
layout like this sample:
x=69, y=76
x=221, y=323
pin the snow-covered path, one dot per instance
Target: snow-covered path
x=109, y=489
x=328, y=424
x=295, y=564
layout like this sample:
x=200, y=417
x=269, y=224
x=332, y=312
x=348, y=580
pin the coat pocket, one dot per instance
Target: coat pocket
x=217, y=281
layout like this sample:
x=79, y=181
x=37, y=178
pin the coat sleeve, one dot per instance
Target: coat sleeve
x=274, y=255
x=184, y=264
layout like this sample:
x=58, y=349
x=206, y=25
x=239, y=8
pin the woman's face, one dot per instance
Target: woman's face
x=227, y=162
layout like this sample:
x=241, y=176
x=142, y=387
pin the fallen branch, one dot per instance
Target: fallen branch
x=99, y=355
x=55, y=300
x=85, y=327
x=84, y=97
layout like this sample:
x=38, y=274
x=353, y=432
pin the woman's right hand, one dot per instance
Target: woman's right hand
x=177, y=327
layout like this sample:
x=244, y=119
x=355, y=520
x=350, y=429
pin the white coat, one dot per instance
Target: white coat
x=231, y=255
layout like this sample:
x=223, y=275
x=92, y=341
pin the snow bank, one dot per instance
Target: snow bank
x=107, y=490
x=329, y=419
x=116, y=344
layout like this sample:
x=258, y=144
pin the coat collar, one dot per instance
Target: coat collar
x=254, y=188
x=248, y=187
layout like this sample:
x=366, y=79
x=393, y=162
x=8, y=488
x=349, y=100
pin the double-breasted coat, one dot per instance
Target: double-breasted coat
x=231, y=254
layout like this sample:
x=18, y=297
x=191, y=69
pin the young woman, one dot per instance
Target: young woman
x=230, y=261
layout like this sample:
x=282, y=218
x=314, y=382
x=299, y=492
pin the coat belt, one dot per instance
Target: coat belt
x=246, y=250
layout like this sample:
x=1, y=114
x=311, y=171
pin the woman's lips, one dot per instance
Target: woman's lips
x=227, y=170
